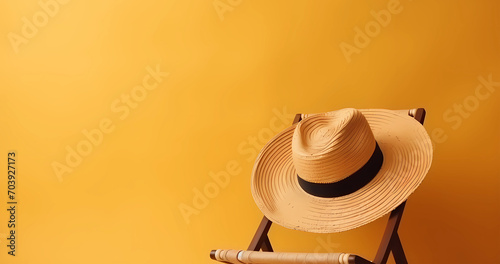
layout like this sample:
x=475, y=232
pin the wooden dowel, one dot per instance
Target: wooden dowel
x=257, y=257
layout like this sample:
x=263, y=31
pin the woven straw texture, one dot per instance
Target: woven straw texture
x=328, y=147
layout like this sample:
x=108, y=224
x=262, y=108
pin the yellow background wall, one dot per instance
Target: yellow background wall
x=237, y=71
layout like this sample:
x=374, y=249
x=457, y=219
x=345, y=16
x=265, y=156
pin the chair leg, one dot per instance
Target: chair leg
x=266, y=245
x=261, y=235
x=353, y=259
x=397, y=250
x=391, y=231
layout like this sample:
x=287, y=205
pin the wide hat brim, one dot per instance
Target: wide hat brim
x=407, y=151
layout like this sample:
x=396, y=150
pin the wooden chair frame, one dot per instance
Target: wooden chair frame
x=390, y=240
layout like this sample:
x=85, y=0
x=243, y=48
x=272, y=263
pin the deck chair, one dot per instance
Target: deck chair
x=390, y=240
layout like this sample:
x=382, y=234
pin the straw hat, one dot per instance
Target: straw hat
x=339, y=170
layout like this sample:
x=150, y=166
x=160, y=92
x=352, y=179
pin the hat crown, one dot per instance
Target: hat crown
x=329, y=147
